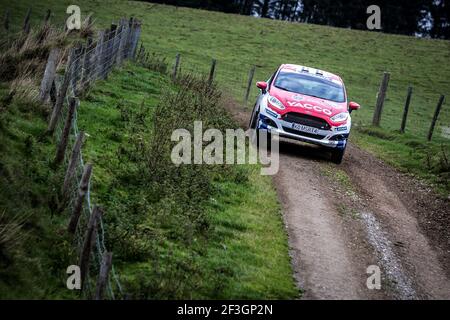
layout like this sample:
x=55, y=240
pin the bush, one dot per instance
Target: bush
x=158, y=212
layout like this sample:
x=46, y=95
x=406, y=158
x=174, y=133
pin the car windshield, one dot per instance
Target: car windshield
x=310, y=86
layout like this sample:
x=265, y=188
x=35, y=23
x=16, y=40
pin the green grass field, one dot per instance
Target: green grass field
x=239, y=42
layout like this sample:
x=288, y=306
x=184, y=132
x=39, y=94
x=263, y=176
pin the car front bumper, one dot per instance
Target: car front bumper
x=336, y=137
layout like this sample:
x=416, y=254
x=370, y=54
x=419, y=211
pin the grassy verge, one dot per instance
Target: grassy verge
x=34, y=249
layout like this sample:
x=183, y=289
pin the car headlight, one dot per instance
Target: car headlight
x=340, y=117
x=276, y=103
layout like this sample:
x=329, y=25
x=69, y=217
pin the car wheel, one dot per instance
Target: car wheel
x=254, y=118
x=337, y=155
x=253, y=125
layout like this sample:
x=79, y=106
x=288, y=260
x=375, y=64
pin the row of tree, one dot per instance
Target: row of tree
x=410, y=17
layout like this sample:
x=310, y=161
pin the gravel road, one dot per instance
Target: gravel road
x=341, y=219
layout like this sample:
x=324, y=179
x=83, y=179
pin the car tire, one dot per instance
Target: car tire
x=255, y=134
x=337, y=155
x=254, y=118
x=253, y=124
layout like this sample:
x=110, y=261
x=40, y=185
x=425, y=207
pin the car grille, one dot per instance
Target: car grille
x=306, y=120
x=303, y=134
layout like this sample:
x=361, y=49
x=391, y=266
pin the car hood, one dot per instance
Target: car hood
x=300, y=103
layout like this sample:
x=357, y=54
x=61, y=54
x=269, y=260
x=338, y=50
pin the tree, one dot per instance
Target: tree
x=439, y=12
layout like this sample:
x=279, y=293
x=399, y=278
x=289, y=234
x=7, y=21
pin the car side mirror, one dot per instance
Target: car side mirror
x=353, y=106
x=262, y=85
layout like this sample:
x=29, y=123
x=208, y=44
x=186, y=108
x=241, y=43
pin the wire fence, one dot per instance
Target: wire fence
x=86, y=64
x=237, y=79
x=240, y=86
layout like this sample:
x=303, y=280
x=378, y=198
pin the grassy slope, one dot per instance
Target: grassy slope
x=35, y=266
x=359, y=57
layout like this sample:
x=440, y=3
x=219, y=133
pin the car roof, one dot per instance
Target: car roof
x=311, y=72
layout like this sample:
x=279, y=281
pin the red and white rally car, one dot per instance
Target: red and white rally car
x=305, y=104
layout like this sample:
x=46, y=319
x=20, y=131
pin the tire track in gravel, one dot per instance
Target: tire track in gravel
x=331, y=252
x=395, y=216
x=321, y=244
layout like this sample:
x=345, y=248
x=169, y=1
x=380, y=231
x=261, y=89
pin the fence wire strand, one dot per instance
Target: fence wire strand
x=90, y=63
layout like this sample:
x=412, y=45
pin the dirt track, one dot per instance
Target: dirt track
x=374, y=216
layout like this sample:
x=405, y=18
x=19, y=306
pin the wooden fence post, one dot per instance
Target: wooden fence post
x=74, y=157
x=61, y=94
x=136, y=35
x=47, y=16
x=97, y=60
x=115, y=48
x=112, y=39
x=76, y=68
x=435, y=117
x=82, y=189
x=26, y=22
x=120, y=37
x=110, y=48
x=176, y=67
x=141, y=51
x=129, y=38
x=117, y=40
x=123, y=37
x=212, y=71
x=61, y=150
x=249, y=84
x=103, y=275
x=88, y=243
x=6, y=20
x=53, y=93
x=104, y=55
x=87, y=65
x=49, y=74
x=405, y=110
x=380, y=99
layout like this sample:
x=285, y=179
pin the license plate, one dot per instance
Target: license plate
x=303, y=128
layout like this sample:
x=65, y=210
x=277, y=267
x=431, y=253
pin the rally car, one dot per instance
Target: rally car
x=305, y=104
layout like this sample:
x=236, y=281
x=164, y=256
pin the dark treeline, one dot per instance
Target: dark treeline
x=409, y=17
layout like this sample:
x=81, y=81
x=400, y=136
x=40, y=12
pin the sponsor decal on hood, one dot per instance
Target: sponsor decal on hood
x=307, y=104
